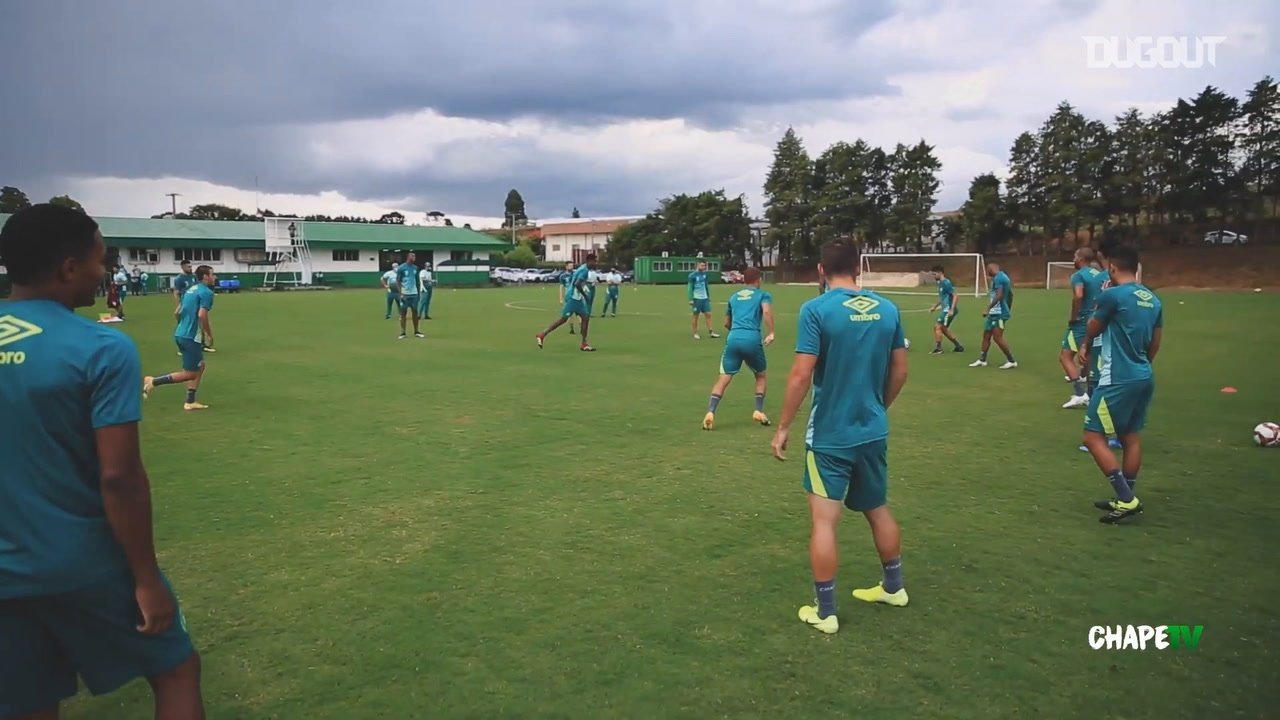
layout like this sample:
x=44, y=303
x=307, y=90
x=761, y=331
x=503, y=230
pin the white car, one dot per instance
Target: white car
x=1224, y=237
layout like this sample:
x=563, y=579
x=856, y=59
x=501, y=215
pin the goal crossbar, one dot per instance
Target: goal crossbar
x=925, y=262
x=1069, y=267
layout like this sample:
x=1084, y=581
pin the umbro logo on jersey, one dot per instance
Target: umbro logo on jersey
x=1143, y=295
x=745, y=294
x=11, y=331
x=862, y=305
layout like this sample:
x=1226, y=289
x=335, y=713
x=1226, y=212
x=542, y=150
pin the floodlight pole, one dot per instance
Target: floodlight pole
x=173, y=202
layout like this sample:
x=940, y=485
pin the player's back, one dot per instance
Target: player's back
x=946, y=293
x=1132, y=312
x=746, y=309
x=61, y=376
x=853, y=334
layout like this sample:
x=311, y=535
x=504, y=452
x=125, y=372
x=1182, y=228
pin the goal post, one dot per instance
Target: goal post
x=909, y=273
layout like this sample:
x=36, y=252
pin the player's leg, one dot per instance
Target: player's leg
x=694, y=325
x=391, y=299
x=706, y=314
x=1108, y=414
x=713, y=402
x=35, y=674
x=413, y=310
x=568, y=314
x=1067, y=359
x=956, y=345
x=192, y=370
x=758, y=364
x=404, y=316
x=937, y=338
x=997, y=335
x=987, y=327
x=826, y=480
x=98, y=627
x=1135, y=423
x=427, y=294
x=869, y=495
x=424, y=303
x=585, y=318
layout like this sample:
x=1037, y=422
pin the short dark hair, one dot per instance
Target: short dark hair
x=938, y=268
x=185, y=262
x=36, y=240
x=591, y=257
x=751, y=275
x=840, y=258
x=203, y=271
x=1106, y=247
x=1123, y=257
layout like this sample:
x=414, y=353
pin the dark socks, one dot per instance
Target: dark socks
x=163, y=380
x=759, y=402
x=937, y=345
x=1079, y=387
x=892, y=575
x=1120, y=484
x=983, y=356
x=191, y=395
x=713, y=403
x=1009, y=355
x=1133, y=483
x=826, y=593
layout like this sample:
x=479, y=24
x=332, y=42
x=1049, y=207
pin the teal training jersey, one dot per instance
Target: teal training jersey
x=946, y=294
x=1130, y=313
x=61, y=378
x=578, y=281
x=698, y=289
x=1105, y=282
x=1091, y=280
x=183, y=282
x=853, y=334
x=1000, y=282
x=196, y=297
x=746, y=311
x=407, y=279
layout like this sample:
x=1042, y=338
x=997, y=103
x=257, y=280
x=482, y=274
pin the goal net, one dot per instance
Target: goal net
x=911, y=274
x=1057, y=275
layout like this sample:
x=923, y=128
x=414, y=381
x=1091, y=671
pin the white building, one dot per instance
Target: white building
x=571, y=241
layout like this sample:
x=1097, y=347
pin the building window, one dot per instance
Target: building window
x=555, y=248
x=142, y=255
x=662, y=266
x=251, y=256
x=459, y=254
x=713, y=265
x=346, y=255
x=687, y=266
x=206, y=255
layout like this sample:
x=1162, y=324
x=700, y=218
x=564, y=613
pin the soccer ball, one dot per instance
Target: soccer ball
x=906, y=343
x=1267, y=434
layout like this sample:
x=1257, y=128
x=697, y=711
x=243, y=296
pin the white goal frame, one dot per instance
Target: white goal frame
x=1049, y=266
x=980, y=283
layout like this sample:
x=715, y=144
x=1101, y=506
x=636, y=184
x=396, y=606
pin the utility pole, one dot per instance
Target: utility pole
x=173, y=201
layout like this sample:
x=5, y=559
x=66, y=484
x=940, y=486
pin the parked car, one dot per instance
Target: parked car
x=1225, y=237
x=731, y=277
x=629, y=276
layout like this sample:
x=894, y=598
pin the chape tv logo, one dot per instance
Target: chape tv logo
x=1112, y=52
x=1138, y=637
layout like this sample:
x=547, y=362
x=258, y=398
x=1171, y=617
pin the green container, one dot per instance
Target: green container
x=673, y=270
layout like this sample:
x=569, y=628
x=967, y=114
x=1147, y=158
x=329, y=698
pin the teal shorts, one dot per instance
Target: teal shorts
x=994, y=322
x=738, y=351
x=1073, y=338
x=702, y=307
x=408, y=302
x=858, y=477
x=90, y=633
x=1119, y=409
x=192, y=353
x=944, y=320
x=575, y=307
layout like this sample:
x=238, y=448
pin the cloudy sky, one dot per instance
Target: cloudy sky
x=603, y=105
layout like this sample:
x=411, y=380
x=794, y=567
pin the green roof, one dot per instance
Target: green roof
x=150, y=233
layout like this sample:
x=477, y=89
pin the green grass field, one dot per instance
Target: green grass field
x=464, y=526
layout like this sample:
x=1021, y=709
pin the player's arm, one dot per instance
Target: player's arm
x=1077, y=299
x=123, y=482
x=999, y=296
x=799, y=380
x=728, y=317
x=896, y=378
x=767, y=310
x=1157, y=334
x=205, y=327
x=690, y=288
x=954, y=304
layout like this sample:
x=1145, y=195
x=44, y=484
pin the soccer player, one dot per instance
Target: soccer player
x=82, y=597
x=193, y=323
x=426, y=287
x=407, y=288
x=949, y=305
x=1000, y=304
x=389, y=284
x=700, y=299
x=115, y=299
x=576, y=304
x=565, y=291
x=851, y=349
x=1086, y=286
x=749, y=308
x=614, y=280
x=1095, y=354
x=1130, y=320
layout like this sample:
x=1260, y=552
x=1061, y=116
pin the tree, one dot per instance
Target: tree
x=914, y=183
x=435, y=216
x=391, y=218
x=708, y=223
x=66, y=201
x=448, y=222
x=787, y=204
x=1260, y=144
x=1129, y=163
x=521, y=256
x=514, y=209
x=12, y=200
x=1061, y=142
x=215, y=211
x=576, y=214
x=984, y=221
